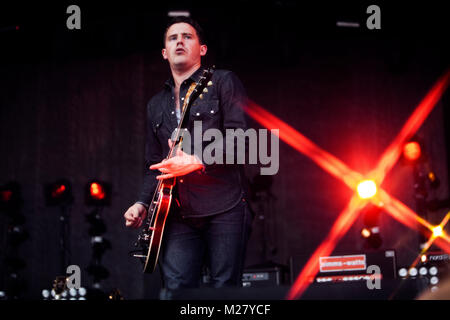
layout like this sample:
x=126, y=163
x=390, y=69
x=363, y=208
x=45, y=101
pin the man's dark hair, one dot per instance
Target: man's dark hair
x=188, y=20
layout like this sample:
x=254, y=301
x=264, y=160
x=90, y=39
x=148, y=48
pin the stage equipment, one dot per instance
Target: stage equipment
x=58, y=193
x=12, y=222
x=98, y=193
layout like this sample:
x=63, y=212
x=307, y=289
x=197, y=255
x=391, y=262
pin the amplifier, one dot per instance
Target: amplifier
x=263, y=277
x=351, y=266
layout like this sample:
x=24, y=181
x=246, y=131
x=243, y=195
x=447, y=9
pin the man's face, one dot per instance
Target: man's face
x=182, y=46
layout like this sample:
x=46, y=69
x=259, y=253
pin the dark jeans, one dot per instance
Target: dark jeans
x=219, y=241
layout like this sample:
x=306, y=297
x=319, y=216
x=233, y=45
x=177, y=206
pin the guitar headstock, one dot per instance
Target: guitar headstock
x=202, y=84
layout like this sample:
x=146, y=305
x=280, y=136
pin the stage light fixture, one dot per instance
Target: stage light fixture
x=73, y=292
x=366, y=189
x=423, y=271
x=434, y=280
x=365, y=233
x=412, y=272
x=98, y=193
x=371, y=229
x=433, y=271
x=58, y=193
x=412, y=151
x=437, y=231
x=402, y=272
x=10, y=196
x=82, y=291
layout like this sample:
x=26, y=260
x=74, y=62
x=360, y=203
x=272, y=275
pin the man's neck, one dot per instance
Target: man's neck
x=179, y=75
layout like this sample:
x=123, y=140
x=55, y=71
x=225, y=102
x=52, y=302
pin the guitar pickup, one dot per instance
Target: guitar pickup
x=139, y=256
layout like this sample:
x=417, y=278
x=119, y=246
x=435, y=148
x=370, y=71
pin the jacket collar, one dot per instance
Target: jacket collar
x=195, y=77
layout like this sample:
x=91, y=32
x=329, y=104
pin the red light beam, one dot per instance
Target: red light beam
x=351, y=178
x=406, y=216
x=292, y=137
x=344, y=221
x=393, y=152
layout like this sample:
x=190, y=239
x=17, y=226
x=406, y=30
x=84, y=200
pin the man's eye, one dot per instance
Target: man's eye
x=188, y=37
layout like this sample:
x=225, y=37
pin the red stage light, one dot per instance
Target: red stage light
x=365, y=233
x=58, y=191
x=366, y=189
x=412, y=151
x=6, y=195
x=97, y=191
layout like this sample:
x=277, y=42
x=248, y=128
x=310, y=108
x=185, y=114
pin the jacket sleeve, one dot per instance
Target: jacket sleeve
x=153, y=154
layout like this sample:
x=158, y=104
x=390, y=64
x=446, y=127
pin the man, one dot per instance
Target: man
x=210, y=220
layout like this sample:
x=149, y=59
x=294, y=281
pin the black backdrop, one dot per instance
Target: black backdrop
x=72, y=105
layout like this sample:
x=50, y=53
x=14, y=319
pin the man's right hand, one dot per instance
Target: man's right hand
x=135, y=215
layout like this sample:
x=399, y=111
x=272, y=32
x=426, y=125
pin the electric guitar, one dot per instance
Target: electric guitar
x=151, y=236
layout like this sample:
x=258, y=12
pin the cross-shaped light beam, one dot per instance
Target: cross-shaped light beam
x=351, y=178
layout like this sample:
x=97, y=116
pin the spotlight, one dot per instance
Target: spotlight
x=371, y=230
x=10, y=196
x=366, y=189
x=433, y=271
x=412, y=151
x=437, y=231
x=82, y=291
x=423, y=258
x=58, y=193
x=98, y=193
x=73, y=292
x=412, y=272
x=423, y=271
x=434, y=280
x=402, y=272
x=365, y=233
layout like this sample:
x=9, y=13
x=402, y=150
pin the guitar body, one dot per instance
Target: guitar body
x=157, y=228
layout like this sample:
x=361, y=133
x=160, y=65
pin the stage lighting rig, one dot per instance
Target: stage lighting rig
x=371, y=229
x=58, y=193
x=10, y=197
x=98, y=193
x=16, y=234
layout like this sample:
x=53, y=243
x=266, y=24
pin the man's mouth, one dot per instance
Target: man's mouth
x=180, y=50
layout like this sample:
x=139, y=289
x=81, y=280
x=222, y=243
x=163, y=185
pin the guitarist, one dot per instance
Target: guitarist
x=210, y=220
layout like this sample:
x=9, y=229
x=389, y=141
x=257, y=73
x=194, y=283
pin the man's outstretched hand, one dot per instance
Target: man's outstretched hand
x=179, y=165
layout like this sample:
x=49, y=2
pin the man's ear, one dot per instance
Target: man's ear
x=164, y=54
x=203, y=49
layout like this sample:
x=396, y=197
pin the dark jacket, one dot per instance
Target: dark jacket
x=220, y=186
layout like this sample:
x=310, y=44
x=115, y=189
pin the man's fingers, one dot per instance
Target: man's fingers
x=160, y=165
x=157, y=166
x=170, y=143
x=165, y=176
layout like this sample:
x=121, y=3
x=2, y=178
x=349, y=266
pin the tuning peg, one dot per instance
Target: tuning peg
x=201, y=96
x=210, y=83
x=205, y=90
